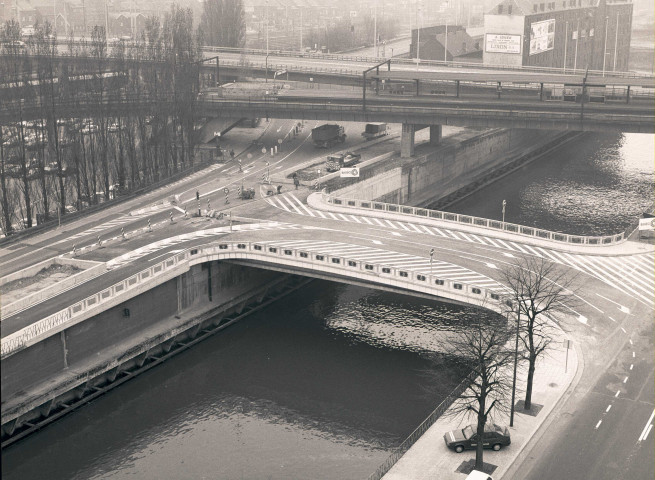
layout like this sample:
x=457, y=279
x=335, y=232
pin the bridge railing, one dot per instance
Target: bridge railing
x=424, y=213
x=267, y=252
x=412, y=61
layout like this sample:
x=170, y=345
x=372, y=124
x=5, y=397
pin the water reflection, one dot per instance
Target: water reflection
x=597, y=185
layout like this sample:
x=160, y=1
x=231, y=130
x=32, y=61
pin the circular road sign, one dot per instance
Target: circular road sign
x=226, y=190
x=263, y=149
x=249, y=156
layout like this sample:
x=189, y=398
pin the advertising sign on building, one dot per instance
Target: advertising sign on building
x=497, y=43
x=542, y=36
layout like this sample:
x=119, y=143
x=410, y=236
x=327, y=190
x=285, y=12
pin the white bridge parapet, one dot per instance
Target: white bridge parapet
x=301, y=259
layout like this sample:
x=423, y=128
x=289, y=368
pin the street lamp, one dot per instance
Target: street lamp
x=566, y=38
x=605, y=45
x=516, y=357
x=266, y=80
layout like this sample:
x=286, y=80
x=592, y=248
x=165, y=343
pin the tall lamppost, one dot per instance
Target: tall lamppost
x=577, y=40
x=616, y=41
x=516, y=358
x=266, y=80
x=566, y=37
x=605, y=45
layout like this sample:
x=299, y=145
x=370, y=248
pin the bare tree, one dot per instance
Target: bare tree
x=539, y=289
x=483, y=347
x=223, y=23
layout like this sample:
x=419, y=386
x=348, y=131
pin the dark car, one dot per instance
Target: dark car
x=467, y=439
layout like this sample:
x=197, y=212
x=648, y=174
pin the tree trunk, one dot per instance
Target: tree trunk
x=528, y=387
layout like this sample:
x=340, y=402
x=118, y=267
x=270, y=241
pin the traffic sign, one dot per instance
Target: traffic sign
x=263, y=149
x=226, y=190
x=431, y=251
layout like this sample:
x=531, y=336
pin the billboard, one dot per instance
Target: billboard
x=542, y=36
x=497, y=43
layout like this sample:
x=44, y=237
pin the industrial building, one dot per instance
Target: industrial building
x=566, y=34
x=445, y=43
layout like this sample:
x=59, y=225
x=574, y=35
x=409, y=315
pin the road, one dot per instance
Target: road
x=597, y=432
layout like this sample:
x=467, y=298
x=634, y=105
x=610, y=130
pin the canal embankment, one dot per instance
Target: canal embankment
x=82, y=359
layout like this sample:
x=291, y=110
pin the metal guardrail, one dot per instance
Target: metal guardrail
x=311, y=259
x=401, y=449
x=417, y=212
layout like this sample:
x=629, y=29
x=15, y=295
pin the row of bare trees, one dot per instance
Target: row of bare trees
x=138, y=125
x=538, y=291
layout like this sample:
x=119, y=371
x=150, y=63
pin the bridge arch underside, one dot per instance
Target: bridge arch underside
x=349, y=280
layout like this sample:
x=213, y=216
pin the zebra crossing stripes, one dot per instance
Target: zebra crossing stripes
x=636, y=281
x=117, y=222
x=445, y=270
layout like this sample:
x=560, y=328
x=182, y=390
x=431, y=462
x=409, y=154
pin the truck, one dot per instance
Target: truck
x=341, y=160
x=375, y=130
x=327, y=135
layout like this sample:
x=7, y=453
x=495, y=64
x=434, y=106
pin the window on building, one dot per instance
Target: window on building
x=564, y=4
x=535, y=7
x=509, y=9
x=500, y=9
x=464, y=47
x=542, y=6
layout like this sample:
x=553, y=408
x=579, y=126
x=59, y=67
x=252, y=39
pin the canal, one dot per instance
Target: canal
x=329, y=380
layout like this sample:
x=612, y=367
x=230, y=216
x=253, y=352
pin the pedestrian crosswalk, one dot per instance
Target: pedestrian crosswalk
x=633, y=275
x=214, y=232
x=117, y=222
x=387, y=258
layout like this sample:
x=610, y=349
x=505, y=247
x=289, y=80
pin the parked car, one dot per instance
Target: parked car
x=494, y=437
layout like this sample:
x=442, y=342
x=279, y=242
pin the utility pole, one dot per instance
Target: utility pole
x=301, y=8
x=266, y=80
x=418, y=38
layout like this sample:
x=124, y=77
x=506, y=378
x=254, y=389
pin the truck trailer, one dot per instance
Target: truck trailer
x=327, y=135
x=375, y=130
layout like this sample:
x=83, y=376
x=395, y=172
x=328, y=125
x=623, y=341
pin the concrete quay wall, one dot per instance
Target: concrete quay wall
x=89, y=355
x=437, y=171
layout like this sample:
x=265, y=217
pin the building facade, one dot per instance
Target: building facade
x=566, y=34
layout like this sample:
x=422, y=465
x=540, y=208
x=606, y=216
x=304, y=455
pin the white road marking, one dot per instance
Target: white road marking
x=598, y=424
x=608, y=408
x=625, y=379
x=631, y=366
x=647, y=428
x=623, y=330
x=618, y=392
x=611, y=319
x=630, y=341
x=621, y=307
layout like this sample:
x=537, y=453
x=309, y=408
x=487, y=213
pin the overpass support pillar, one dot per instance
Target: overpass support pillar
x=435, y=134
x=407, y=140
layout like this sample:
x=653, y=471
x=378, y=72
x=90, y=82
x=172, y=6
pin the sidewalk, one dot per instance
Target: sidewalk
x=429, y=458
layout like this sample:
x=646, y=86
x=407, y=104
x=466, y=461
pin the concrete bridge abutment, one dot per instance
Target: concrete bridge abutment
x=408, y=134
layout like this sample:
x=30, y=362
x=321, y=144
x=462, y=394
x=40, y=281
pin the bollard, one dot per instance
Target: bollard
x=275, y=149
x=74, y=250
x=99, y=241
x=272, y=151
x=171, y=217
x=239, y=191
x=199, y=214
x=185, y=213
x=230, y=220
x=149, y=227
x=123, y=233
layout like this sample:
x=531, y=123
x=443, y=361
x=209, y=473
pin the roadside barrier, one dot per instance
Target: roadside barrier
x=311, y=260
x=417, y=212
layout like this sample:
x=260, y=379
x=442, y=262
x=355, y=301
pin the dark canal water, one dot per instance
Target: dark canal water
x=328, y=381
x=596, y=185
